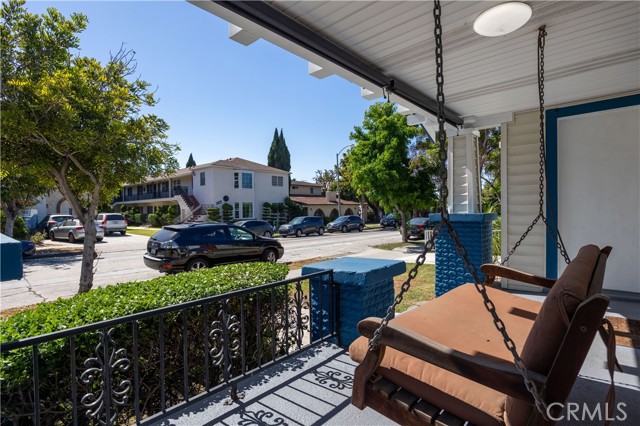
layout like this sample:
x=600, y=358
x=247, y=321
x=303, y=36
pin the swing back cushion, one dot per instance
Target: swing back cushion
x=458, y=319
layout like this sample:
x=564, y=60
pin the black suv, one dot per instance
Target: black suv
x=303, y=225
x=196, y=246
x=49, y=221
x=346, y=224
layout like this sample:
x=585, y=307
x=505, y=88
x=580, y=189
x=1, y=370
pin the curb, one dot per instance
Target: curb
x=63, y=253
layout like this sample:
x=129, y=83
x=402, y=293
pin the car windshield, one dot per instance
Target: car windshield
x=418, y=221
x=341, y=219
x=297, y=220
x=241, y=223
x=164, y=235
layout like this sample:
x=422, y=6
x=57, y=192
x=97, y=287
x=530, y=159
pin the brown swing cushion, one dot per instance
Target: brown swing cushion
x=459, y=320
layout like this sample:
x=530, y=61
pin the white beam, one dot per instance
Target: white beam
x=317, y=71
x=370, y=94
x=241, y=36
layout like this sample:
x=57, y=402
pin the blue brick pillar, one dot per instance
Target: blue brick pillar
x=474, y=231
x=364, y=288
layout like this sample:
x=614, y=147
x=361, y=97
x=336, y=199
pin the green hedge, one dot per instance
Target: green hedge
x=124, y=299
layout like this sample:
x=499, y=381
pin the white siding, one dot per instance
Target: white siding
x=520, y=171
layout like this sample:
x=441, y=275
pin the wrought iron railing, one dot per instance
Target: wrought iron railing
x=138, y=368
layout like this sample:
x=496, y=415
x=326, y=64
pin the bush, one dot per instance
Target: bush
x=154, y=220
x=227, y=213
x=213, y=214
x=20, y=231
x=115, y=301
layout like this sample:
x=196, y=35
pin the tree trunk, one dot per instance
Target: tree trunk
x=88, y=255
x=11, y=214
x=403, y=225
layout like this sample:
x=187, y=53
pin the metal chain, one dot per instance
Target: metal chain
x=460, y=249
x=553, y=231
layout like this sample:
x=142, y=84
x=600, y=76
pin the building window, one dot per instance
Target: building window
x=247, y=181
x=149, y=209
x=129, y=190
x=312, y=191
x=247, y=210
x=236, y=210
x=277, y=181
x=235, y=180
x=202, y=178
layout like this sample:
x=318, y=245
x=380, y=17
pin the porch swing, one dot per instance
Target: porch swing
x=442, y=364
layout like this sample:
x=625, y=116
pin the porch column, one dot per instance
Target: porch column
x=364, y=287
x=463, y=174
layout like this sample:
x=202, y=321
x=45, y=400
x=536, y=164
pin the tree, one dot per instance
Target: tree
x=79, y=122
x=279, y=156
x=489, y=159
x=325, y=178
x=382, y=167
x=190, y=161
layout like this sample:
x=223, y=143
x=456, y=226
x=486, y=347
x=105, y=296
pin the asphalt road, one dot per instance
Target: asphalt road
x=120, y=260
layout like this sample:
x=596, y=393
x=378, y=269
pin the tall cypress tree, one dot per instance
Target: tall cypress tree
x=285, y=159
x=272, y=158
x=190, y=162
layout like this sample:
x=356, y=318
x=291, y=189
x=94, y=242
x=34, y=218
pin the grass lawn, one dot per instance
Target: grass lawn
x=147, y=232
x=392, y=246
x=422, y=286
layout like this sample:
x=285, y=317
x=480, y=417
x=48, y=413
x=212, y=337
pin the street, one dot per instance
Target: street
x=120, y=260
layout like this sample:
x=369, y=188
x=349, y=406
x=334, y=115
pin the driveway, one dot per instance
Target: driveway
x=120, y=260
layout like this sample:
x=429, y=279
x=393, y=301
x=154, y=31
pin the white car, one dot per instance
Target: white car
x=112, y=222
x=72, y=230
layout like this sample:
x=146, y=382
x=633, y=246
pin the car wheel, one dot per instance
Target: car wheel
x=72, y=239
x=298, y=233
x=99, y=238
x=52, y=236
x=270, y=256
x=109, y=232
x=320, y=231
x=344, y=229
x=267, y=234
x=123, y=232
x=360, y=228
x=196, y=264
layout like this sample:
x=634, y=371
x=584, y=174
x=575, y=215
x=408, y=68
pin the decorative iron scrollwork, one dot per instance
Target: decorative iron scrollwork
x=225, y=340
x=101, y=367
x=298, y=312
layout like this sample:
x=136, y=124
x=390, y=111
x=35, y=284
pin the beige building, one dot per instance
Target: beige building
x=316, y=202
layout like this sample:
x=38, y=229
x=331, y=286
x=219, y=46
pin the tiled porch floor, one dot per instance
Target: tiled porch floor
x=314, y=388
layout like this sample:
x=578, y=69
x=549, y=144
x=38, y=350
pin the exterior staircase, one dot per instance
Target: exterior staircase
x=190, y=208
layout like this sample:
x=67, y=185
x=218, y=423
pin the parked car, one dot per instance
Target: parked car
x=303, y=225
x=73, y=230
x=346, y=224
x=258, y=227
x=49, y=220
x=28, y=248
x=389, y=220
x=113, y=222
x=417, y=226
x=195, y=246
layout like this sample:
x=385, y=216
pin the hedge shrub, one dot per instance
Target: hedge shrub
x=124, y=299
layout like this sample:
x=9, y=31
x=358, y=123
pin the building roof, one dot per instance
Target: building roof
x=231, y=163
x=304, y=183
x=321, y=201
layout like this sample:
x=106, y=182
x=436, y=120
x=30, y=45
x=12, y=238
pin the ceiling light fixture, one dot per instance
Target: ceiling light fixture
x=502, y=19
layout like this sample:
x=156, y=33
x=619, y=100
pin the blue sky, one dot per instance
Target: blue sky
x=223, y=99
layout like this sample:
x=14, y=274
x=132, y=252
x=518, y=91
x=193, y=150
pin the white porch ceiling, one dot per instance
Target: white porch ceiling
x=592, y=50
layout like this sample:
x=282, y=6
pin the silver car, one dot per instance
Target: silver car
x=73, y=230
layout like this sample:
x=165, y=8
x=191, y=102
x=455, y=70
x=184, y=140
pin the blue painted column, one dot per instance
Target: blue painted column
x=475, y=233
x=10, y=259
x=365, y=289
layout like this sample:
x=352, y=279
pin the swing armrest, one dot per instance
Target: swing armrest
x=513, y=274
x=499, y=375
